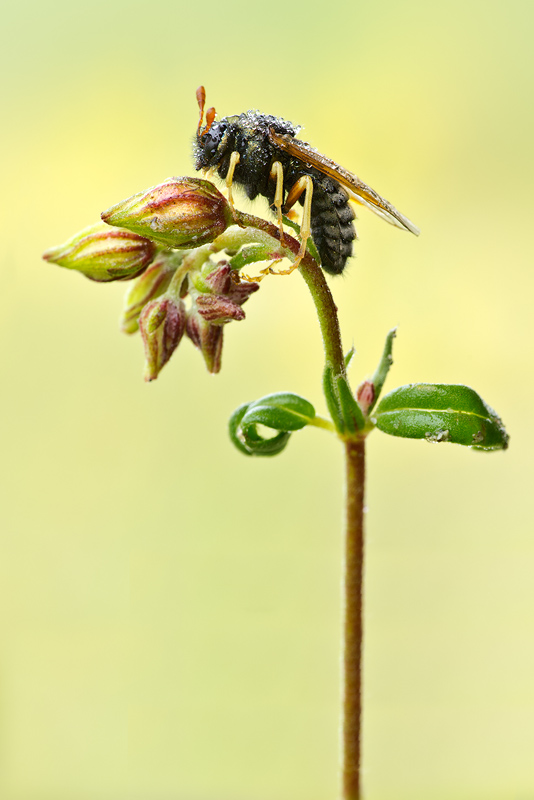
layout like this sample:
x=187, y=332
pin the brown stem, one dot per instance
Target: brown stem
x=352, y=662
x=355, y=471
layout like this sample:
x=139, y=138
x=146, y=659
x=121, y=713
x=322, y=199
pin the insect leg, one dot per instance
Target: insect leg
x=304, y=184
x=209, y=173
x=277, y=171
x=234, y=160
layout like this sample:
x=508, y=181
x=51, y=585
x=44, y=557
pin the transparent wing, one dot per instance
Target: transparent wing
x=357, y=189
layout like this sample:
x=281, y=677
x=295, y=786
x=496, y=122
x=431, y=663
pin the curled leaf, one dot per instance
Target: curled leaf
x=283, y=412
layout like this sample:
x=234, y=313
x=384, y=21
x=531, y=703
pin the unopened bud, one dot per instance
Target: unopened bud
x=218, y=309
x=180, y=212
x=102, y=253
x=224, y=280
x=162, y=325
x=365, y=395
x=217, y=296
x=208, y=338
x=151, y=284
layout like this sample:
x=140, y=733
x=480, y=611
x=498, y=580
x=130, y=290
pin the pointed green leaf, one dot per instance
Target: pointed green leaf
x=384, y=366
x=441, y=413
x=332, y=399
x=349, y=356
x=352, y=413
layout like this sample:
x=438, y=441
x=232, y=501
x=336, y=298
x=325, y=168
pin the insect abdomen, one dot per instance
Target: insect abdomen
x=332, y=229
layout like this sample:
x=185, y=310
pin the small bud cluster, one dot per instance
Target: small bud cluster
x=153, y=237
x=216, y=299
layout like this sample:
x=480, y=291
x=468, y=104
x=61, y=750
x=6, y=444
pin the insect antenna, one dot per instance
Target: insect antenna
x=201, y=100
x=210, y=116
x=210, y=113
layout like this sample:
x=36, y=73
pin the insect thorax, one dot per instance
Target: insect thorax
x=248, y=135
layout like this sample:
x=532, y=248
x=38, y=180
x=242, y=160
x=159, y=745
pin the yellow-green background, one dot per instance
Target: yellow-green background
x=170, y=610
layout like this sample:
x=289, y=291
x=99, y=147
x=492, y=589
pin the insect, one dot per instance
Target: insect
x=260, y=152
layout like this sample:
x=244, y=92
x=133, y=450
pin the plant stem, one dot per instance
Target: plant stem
x=314, y=277
x=326, y=313
x=354, y=540
x=352, y=660
x=355, y=484
x=321, y=422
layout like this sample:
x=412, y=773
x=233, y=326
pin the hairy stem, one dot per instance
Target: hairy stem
x=353, y=577
x=326, y=313
x=314, y=277
x=355, y=483
x=352, y=657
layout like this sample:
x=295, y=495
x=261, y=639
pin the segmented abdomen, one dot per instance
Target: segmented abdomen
x=331, y=223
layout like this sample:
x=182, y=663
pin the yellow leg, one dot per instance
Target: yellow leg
x=234, y=160
x=263, y=273
x=304, y=184
x=209, y=173
x=277, y=171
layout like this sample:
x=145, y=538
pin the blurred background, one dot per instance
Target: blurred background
x=170, y=610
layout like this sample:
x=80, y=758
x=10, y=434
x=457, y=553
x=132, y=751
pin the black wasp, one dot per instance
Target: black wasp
x=260, y=153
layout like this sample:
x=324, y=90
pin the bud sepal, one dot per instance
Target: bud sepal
x=217, y=295
x=162, y=325
x=178, y=213
x=151, y=284
x=104, y=254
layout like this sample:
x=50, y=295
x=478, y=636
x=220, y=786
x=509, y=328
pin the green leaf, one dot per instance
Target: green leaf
x=258, y=446
x=441, y=413
x=332, y=399
x=351, y=411
x=384, y=366
x=350, y=355
x=284, y=412
x=233, y=429
x=249, y=254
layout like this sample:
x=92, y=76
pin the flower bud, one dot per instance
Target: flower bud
x=218, y=309
x=225, y=280
x=217, y=295
x=151, y=284
x=162, y=325
x=102, y=253
x=208, y=338
x=180, y=212
x=365, y=395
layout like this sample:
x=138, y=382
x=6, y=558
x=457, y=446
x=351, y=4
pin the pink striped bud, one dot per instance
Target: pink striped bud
x=162, y=325
x=180, y=212
x=102, y=253
x=208, y=338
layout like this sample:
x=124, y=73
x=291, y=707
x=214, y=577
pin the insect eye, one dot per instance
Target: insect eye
x=212, y=139
x=210, y=143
